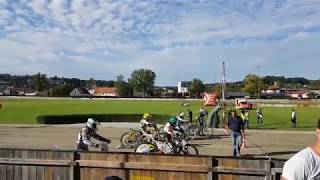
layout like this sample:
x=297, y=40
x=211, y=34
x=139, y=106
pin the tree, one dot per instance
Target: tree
x=218, y=89
x=62, y=90
x=40, y=81
x=251, y=84
x=196, y=87
x=143, y=80
x=124, y=89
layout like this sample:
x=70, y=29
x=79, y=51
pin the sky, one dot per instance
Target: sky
x=177, y=39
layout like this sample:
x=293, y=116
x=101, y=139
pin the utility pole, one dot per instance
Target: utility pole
x=223, y=81
x=258, y=67
x=223, y=90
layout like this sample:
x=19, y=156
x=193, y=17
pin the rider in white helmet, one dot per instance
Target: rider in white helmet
x=181, y=117
x=88, y=131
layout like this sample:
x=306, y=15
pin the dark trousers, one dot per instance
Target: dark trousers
x=293, y=123
x=259, y=120
x=82, y=147
x=246, y=124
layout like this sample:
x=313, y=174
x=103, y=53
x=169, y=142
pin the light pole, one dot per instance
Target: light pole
x=258, y=68
x=223, y=89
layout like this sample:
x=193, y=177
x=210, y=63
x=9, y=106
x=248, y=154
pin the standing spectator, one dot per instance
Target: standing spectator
x=235, y=124
x=242, y=114
x=305, y=164
x=293, y=118
x=190, y=115
x=246, y=119
x=259, y=116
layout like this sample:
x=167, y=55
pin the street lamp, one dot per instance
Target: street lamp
x=258, y=68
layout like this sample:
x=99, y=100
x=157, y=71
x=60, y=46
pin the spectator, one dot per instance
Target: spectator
x=235, y=124
x=190, y=115
x=305, y=164
x=246, y=119
x=293, y=118
x=259, y=116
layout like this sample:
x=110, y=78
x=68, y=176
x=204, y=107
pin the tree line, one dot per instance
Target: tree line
x=142, y=82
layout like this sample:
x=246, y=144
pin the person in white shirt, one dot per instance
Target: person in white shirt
x=305, y=165
x=293, y=119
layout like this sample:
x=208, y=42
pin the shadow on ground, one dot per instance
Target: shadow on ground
x=270, y=154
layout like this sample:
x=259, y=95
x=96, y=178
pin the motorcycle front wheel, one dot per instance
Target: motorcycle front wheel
x=128, y=139
x=189, y=149
x=146, y=148
x=193, y=130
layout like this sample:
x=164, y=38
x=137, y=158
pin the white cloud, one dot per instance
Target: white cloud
x=179, y=40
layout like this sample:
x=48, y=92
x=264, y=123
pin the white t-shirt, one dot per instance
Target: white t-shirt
x=305, y=165
x=293, y=115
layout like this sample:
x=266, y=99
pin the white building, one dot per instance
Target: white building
x=183, y=86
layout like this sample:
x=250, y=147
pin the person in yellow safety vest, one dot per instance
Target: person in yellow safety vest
x=243, y=116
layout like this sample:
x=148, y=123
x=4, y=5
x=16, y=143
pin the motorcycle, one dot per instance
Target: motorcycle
x=182, y=147
x=134, y=137
x=188, y=129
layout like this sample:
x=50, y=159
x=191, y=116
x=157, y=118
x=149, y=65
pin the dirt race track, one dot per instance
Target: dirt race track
x=276, y=144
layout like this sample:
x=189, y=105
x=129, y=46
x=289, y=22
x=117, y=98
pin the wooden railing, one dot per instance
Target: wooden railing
x=26, y=164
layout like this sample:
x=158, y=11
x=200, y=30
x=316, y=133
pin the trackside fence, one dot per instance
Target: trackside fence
x=28, y=164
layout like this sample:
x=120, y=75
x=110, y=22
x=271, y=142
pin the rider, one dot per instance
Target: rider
x=202, y=114
x=84, y=136
x=145, y=123
x=180, y=121
x=168, y=130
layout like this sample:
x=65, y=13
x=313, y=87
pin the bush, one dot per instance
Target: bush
x=82, y=118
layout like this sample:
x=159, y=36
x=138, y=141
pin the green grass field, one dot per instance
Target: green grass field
x=25, y=111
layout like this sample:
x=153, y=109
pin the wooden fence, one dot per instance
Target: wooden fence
x=26, y=164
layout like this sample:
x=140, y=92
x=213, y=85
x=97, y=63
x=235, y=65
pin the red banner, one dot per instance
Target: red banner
x=210, y=99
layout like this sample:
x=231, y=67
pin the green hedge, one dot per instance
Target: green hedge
x=82, y=118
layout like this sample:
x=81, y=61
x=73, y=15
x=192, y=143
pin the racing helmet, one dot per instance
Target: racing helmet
x=146, y=116
x=92, y=124
x=172, y=120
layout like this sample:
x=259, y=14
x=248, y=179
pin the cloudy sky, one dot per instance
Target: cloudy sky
x=179, y=40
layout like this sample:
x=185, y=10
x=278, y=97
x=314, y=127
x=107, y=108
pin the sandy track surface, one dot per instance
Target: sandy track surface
x=277, y=144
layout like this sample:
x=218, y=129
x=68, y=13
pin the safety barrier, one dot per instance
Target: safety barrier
x=27, y=164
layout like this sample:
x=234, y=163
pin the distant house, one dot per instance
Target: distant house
x=10, y=91
x=80, y=92
x=273, y=91
x=26, y=92
x=106, y=91
x=167, y=92
x=299, y=94
x=2, y=88
x=30, y=92
x=91, y=91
